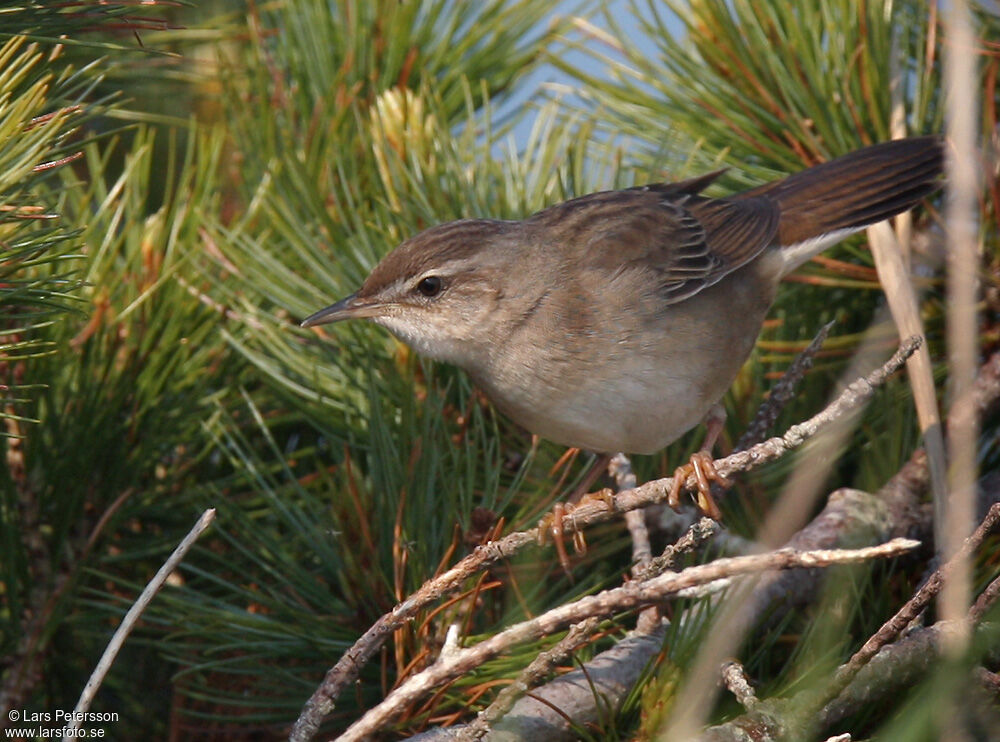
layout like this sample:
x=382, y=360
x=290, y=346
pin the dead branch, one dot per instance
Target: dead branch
x=782, y=392
x=734, y=677
x=914, y=606
x=537, y=670
x=131, y=618
x=628, y=597
x=348, y=667
x=897, y=667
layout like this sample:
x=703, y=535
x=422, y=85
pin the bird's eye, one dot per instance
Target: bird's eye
x=430, y=286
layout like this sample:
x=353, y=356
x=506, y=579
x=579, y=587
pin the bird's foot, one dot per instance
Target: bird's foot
x=552, y=525
x=703, y=469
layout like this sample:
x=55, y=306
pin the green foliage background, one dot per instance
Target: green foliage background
x=157, y=248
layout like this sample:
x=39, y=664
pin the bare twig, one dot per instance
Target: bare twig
x=957, y=514
x=902, y=300
x=635, y=521
x=989, y=680
x=891, y=251
x=877, y=668
x=894, y=510
x=699, y=532
x=734, y=677
x=608, y=676
x=782, y=392
x=897, y=130
x=985, y=600
x=348, y=667
x=535, y=672
x=627, y=597
x=905, y=615
x=742, y=606
x=896, y=667
x=583, y=696
x=850, y=514
x=127, y=624
x=855, y=395
x=620, y=469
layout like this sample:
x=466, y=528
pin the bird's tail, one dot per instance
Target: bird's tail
x=825, y=203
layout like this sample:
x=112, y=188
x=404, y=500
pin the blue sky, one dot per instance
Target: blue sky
x=551, y=78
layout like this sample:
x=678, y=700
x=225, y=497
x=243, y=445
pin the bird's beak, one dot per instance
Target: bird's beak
x=349, y=308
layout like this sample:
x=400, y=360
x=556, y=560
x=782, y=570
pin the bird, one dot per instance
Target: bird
x=616, y=321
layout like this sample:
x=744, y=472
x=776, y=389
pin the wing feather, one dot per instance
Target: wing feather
x=690, y=241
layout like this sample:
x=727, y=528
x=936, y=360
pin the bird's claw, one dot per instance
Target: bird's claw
x=552, y=525
x=703, y=469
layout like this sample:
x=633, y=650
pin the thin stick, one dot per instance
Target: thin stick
x=734, y=677
x=620, y=469
x=349, y=666
x=698, y=533
x=902, y=300
x=782, y=392
x=891, y=251
x=128, y=623
x=627, y=597
x=535, y=672
x=985, y=601
x=912, y=608
x=963, y=260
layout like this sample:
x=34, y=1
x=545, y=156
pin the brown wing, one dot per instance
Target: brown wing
x=690, y=241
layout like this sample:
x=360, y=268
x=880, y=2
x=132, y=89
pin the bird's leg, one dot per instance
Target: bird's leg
x=552, y=524
x=702, y=468
x=597, y=468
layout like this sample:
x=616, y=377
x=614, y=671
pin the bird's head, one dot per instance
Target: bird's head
x=439, y=291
